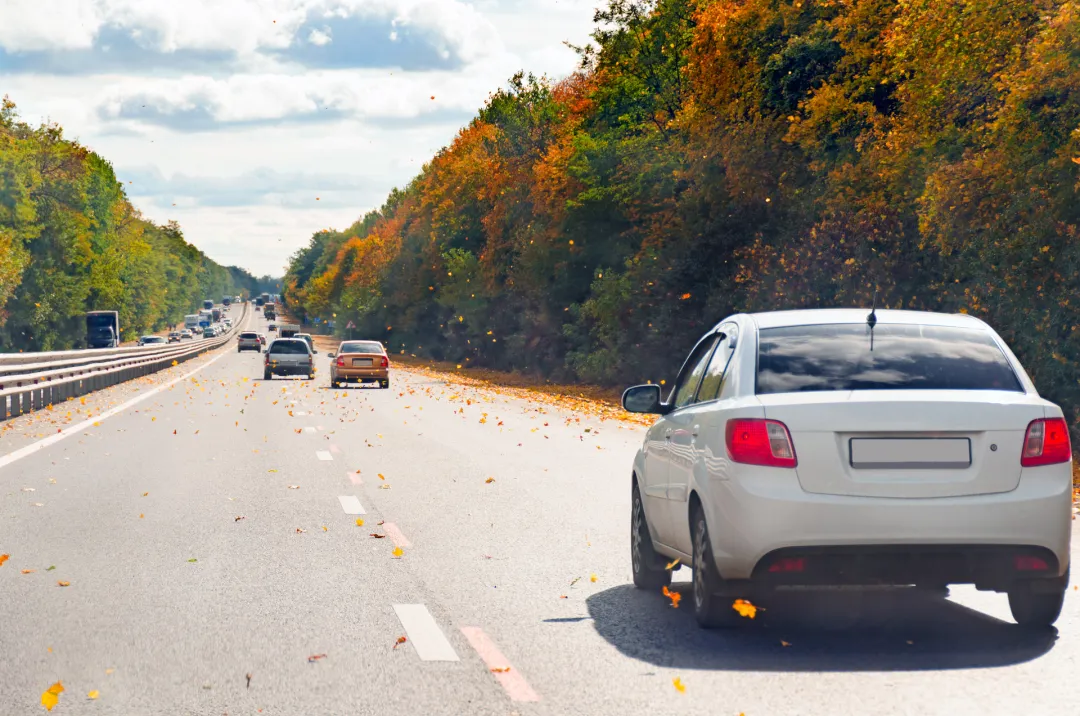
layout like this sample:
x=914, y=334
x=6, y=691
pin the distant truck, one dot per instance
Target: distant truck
x=205, y=318
x=216, y=313
x=226, y=300
x=191, y=322
x=269, y=312
x=288, y=330
x=259, y=301
x=103, y=329
x=266, y=298
x=207, y=304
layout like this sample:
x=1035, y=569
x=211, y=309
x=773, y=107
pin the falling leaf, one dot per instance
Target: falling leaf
x=381, y=476
x=679, y=685
x=315, y=657
x=745, y=608
x=785, y=643
x=489, y=480
x=141, y=515
x=28, y=571
x=672, y=565
x=145, y=494
x=92, y=695
x=324, y=528
x=4, y=558
x=398, y=551
x=52, y=696
x=592, y=577
x=675, y=597
x=193, y=560
x=400, y=640
x=271, y=470
x=359, y=521
x=64, y=584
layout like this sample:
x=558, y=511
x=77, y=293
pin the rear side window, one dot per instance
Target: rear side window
x=361, y=347
x=796, y=359
x=298, y=347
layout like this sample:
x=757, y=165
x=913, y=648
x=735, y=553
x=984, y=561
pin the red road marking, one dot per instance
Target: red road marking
x=355, y=478
x=395, y=534
x=513, y=683
x=335, y=449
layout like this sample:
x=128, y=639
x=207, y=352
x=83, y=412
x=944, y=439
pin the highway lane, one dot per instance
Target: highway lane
x=504, y=568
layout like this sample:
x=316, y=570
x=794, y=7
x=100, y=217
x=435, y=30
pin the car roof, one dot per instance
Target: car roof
x=811, y=316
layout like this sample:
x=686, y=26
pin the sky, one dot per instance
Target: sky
x=256, y=123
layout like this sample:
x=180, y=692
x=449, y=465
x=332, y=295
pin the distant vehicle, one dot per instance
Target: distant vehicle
x=272, y=327
x=288, y=330
x=207, y=305
x=174, y=336
x=103, y=329
x=226, y=300
x=191, y=321
x=288, y=356
x=151, y=340
x=852, y=447
x=265, y=298
x=228, y=322
x=216, y=313
x=248, y=340
x=186, y=335
x=209, y=332
x=307, y=337
x=269, y=312
x=259, y=301
x=359, y=362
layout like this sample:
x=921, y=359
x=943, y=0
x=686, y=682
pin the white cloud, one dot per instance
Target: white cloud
x=49, y=24
x=320, y=37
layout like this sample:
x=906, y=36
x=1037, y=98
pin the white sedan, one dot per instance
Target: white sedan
x=853, y=447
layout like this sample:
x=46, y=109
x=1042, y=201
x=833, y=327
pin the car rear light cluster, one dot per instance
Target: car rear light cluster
x=341, y=362
x=1030, y=564
x=1046, y=443
x=385, y=363
x=788, y=564
x=756, y=441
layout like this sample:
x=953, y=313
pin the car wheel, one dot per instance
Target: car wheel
x=1037, y=609
x=384, y=384
x=267, y=375
x=711, y=609
x=646, y=564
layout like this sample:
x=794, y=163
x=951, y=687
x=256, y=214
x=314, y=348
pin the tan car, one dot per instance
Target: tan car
x=360, y=362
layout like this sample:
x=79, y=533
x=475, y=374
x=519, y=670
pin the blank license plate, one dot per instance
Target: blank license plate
x=910, y=453
x=361, y=362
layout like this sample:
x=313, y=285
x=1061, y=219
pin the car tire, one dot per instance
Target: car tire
x=647, y=566
x=711, y=609
x=384, y=384
x=267, y=375
x=1040, y=609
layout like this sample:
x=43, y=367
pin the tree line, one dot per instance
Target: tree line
x=714, y=156
x=71, y=242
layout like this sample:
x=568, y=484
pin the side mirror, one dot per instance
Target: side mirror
x=643, y=399
x=331, y=355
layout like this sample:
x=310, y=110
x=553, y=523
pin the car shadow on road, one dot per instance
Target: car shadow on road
x=827, y=631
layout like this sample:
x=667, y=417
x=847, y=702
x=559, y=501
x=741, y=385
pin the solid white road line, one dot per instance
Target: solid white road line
x=351, y=505
x=22, y=452
x=426, y=636
x=513, y=683
x=324, y=455
x=309, y=430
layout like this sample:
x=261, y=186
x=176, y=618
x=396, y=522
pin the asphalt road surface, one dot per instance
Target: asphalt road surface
x=205, y=524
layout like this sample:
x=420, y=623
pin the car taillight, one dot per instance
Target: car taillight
x=1046, y=443
x=756, y=441
x=385, y=362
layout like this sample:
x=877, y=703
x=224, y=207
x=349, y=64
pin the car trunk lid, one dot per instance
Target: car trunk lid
x=906, y=443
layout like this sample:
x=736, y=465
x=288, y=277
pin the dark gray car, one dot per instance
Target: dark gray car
x=289, y=356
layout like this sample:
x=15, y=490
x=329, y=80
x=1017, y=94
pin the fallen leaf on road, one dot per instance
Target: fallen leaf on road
x=193, y=560
x=592, y=577
x=28, y=489
x=63, y=584
x=50, y=568
x=239, y=517
x=248, y=676
x=500, y=669
x=28, y=571
x=315, y=657
x=400, y=640
x=679, y=685
x=93, y=694
x=672, y=565
x=4, y=558
x=52, y=696
x=324, y=528
x=294, y=487
x=376, y=535
x=574, y=581
x=398, y=551
x=381, y=477
x=145, y=494
x=384, y=487
x=300, y=531
x=359, y=521
x=675, y=597
x=563, y=596
x=745, y=608
x=141, y=515
x=489, y=480
x=271, y=470
x=109, y=671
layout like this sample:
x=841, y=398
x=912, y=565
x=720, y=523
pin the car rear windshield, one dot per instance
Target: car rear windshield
x=251, y=336
x=361, y=347
x=902, y=357
x=289, y=347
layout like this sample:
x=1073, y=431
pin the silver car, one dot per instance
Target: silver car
x=248, y=341
x=289, y=356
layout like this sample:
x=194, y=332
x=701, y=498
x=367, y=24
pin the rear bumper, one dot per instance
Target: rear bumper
x=755, y=519
x=359, y=373
x=291, y=370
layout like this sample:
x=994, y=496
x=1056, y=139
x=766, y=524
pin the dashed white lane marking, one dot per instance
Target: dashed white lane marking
x=396, y=535
x=298, y=413
x=355, y=479
x=426, y=636
x=32, y=448
x=513, y=683
x=335, y=449
x=351, y=505
x=309, y=430
x=323, y=455
x=321, y=428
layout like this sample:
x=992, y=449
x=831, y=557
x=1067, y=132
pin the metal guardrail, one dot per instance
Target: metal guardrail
x=63, y=375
